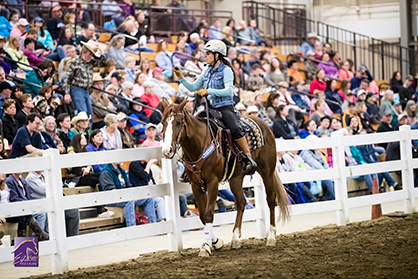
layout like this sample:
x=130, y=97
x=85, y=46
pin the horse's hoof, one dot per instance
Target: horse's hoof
x=205, y=250
x=271, y=242
x=235, y=244
x=218, y=244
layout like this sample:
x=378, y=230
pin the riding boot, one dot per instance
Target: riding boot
x=37, y=230
x=249, y=165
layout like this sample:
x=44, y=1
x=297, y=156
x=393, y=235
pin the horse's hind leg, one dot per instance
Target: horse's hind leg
x=236, y=187
x=269, y=184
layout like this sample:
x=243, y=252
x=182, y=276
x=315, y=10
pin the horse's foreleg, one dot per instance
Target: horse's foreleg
x=236, y=187
x=269, y=183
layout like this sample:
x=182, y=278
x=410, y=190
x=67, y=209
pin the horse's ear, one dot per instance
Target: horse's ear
x=165, y=103
x=183, y=104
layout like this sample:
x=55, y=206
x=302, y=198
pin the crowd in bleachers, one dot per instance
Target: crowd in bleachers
x=55, y=77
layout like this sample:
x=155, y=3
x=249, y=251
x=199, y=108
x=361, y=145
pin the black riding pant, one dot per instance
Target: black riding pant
x=230, y=119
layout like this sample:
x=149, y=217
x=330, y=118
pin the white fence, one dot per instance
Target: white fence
x=55, y=203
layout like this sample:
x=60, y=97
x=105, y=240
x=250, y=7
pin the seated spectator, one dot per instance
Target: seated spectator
x=64, y=129
x=6, y=27
x=193, y=65
x=309, y=45
x=10, y=124
x=164, y=59
x=320, y=95
x=127, y=95
x=320, y=108
x=16, y=54
x=254, y=59
x=88, y=33
x=396, y=82
x=70, y=53
x=406, y=92
x=130, y=69
x=96, y=144
x=345, y=72
x=386, y=123
x=335, y=125
x=359, y=76
x=30, y=54
x=140, y=79
x=49, y=128
x=354, y=125
x=111, y=135
x=334, y=99
x=386, y=104
x=372, y=108
x=350, y=112
x=282, y=127
x=144, y=67
x=310, y=66
x=66, y=38
x=255, y=81
x=182, y=53
x=128, y=8
x=69, y=21
x=329, y=68
x=272, y=105
x=138, y=127
x=244, y=33
x=149, y=97
x=319, y=83
x=192, y=41
x=113, y=177
x=27, y=102
x=345, y=87
x=364, y=84
x=215, y=32
x=100, y=102
x=150, y=131
x=20, y=28
x=3, y=153
x=242, y=85
x=255, y=33
x=111, y=9
x=161, y=88
x=44, y=37
x=411, y=111
x=277, y=72
x=131, y=30
x=324, y=126
x=116, y=102
x=349, y=98
x=5, y=92
x=361, y=112
x=55, y=24
x=116, y=52
x=232, y=54
x=128, y=140
x=293, y=70
x=335, y=59
x=13, y=18
x=37, y=188
x=309, y=128
x=17, y=92
x=37, y=79
x=227, y=37
x=300, y=99
x=44, y=104
x=19, y=192
x=4, y=65
x=28, y=142
x=81, y=124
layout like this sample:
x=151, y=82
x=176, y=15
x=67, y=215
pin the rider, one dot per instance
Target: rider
x=217, y=83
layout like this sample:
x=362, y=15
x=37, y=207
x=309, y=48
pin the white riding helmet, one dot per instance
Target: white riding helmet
x=216, y=46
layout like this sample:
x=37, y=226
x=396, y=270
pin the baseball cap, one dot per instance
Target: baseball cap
x=120, y=116
x=150, y=125
x=387, y=111
x=23, y=22
x=361, y=91
x=297, y=83
x=157, y=70
x=369, y=95
x=57, y=8
x=37, y=19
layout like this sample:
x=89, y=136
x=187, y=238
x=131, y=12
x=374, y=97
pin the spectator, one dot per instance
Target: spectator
x=20, y=29
x=277, y=72
x=30, y=54
x=328, y=67
x=319, y=51
x=265, y=60
x=5, y=92
x=310, y=66
x=319, y=82
x=181, y=9
x=361, y=112
x=87, y=35
x=144, y=67
x=140, y=79
x=111, y=135
x=113, y=177
x=215, y=32
x=4, y=65
x=64, y=129
x=272, y=105
x=69, y=21
x=55, y=24
x=327, y=47
x=364, y=84
x=324, y=126
x=349, y=98
x=10, y=124
x=28, y=142
x=320, y=95
x=6, y=27
x=28, y=106
x=128, y=8
x=193, y=65
x=100, y=102
x=335, y=59
x=411, y=111
x=132, y=31
x=127, y=95
x=345, y=87
x=149, y=97
x=255, y=33
x=396, y=82
x=16, y=54
x=359, y=76
x=138, y=126
x=350, y=112
x=95, y=145
x=309, y=128
x=38, y=78
x=345, y=72
x=110, y=8
x=192, y=42
x=20, y=192
x=44, y=36
x=387, y=102
x=49, y=128
x=37, y=189
x=17, y=92
x=80, y=76
x=44, y=104
x=354, y=125
x=335, y=125
x=320, y=107
x=161, y=88
x=81, y=124
x=164, y=58
x=385, y=124
x=129, y=69
x=182, y=53
x=3, y=145
x=150, y=131
x=244, y=33
x=70, y=53
x=406, y=92
x=143, y=25
x=312, y=38
x=372, y=108
x=286, y=99
x=334, y=100
x=293, y=70
x=255, y=81
x=282, y=127
x=240, y=73
x=300, y=99
x=127, y=138
x=66, y=38
x=116, y=102
x=254, y=59
x=232, y=54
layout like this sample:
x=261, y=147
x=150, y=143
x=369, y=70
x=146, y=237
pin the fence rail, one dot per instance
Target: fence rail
x=55, y=203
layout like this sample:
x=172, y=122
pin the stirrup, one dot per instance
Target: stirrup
x=249, y=166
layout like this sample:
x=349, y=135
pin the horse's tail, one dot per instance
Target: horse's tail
x=281, y=198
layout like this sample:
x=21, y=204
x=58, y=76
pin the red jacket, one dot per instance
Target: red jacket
x=316, y=84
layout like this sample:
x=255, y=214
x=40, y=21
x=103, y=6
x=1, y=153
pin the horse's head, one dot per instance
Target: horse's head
x=173, y=126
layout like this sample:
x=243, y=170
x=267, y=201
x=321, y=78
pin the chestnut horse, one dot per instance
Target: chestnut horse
x=182, y=128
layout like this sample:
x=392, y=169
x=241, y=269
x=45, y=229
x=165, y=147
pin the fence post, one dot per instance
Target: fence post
x=172, y=205
x=408, y=174
x=261, y=203
x=56, y=219
x=340, y=183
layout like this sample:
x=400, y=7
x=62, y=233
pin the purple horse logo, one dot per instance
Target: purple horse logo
x=26, y=251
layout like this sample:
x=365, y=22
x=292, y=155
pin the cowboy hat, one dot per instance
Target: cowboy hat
x=92, y=47
x=82, y=115
x=97, y=77
x=313, y=35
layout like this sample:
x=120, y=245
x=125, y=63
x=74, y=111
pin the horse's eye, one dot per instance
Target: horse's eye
x=178, y=124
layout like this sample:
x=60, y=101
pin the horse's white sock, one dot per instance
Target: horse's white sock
x=209, y=236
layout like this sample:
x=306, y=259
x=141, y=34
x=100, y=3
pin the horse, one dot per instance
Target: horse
x=188, y=131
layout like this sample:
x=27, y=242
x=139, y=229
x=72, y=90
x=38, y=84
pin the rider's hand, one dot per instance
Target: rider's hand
x=177, y=71
x=202, y=92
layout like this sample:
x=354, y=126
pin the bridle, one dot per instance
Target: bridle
x=177, y=141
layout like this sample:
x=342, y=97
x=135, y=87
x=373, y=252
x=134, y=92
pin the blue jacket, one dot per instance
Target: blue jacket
x=298, y=99
x=90, y=148
x=163, y=61
x=5, y=28
x=30, y=81
x=305, y=47
x=114, y=174
x=17, y=192
x=355, y=82
x=137, y=174
x=368, y=153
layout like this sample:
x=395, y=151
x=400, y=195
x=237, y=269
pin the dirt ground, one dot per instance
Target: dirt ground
x=383, y=248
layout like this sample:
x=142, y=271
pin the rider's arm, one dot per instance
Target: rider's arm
x=228, y=82
x=192, y=87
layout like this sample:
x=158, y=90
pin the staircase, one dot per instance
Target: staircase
x=289, y=26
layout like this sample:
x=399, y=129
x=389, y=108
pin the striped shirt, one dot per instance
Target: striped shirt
x=80, y=73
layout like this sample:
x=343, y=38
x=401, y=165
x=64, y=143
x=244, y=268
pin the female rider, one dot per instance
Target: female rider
x=217, y=83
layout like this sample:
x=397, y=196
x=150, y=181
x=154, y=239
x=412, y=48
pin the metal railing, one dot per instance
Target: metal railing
x=289, y=29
